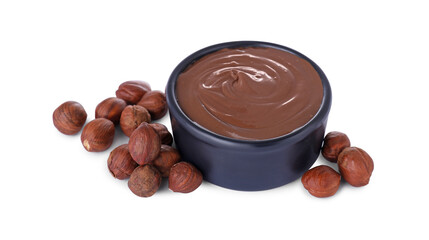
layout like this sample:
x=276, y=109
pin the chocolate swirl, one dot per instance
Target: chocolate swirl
x=250, y=93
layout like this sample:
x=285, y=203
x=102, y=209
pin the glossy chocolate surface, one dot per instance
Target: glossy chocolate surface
x=251, y=93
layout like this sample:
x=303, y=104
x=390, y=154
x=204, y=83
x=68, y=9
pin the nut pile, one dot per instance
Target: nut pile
x=148, y=156
x=354, y=164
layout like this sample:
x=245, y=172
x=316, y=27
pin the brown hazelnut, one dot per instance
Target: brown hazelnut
x=333, y=144
x=132, y=91
x=98, y=135
x=166, y=159
x=155, y=102
x=321, y=181
x=69, y=117
x=145, y=181
x=144, y=144
x=120, y=162
x=110, y=108
x=164, y=134
x=184, y=177
x=132, y=117
x=355, y=166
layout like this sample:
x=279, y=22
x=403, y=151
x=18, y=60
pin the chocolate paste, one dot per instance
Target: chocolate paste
x=250, y=93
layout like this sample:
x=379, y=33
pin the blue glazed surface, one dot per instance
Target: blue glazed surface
x=243, y=164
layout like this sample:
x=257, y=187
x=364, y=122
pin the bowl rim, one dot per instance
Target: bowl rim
x=178, y=113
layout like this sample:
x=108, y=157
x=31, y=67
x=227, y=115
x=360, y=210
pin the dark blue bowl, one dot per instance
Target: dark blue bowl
x=243, y=164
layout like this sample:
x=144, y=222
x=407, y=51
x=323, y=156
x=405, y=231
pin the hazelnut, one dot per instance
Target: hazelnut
x=164, y=134
x=98, y=135
x=110, y=108
x=120, y=162
x=132, y=117
x=69, y=117
x=321, y=181
x=145, y=181
x=184, y=177
x=132, y=91
x=144, y=144
x=168, y=156
x=333, y=144
x=355, y=166
x=155, y=102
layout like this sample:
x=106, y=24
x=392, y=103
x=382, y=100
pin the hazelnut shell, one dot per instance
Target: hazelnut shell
x=98, y=135
x=155, y=102
x=184, y=177
x=145, y=181
x=164, y=134
x=110, y=108
x=132, y=117
x=321, y=181
x=144, y=144
x=120, y=162
x=355, y=166
x=166, y=159
x=69, y=117
x=132, y=91
x=333, y=144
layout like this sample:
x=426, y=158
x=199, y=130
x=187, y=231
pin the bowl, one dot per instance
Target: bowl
x=247, y=165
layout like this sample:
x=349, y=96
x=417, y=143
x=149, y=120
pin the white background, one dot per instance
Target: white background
x=374, y=53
